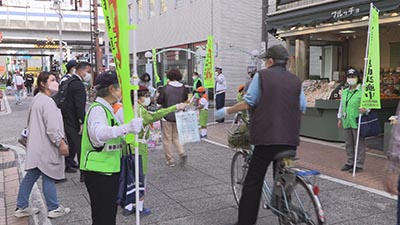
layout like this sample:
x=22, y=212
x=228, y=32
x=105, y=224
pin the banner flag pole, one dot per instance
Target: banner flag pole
x=118, y=27
x=370, y=92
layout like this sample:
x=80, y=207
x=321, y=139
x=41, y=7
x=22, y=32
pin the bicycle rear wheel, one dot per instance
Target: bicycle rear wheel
x=303, y=206
x=239, y=167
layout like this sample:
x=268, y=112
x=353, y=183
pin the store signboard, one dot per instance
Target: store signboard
x=371, y=88
x=208, y=69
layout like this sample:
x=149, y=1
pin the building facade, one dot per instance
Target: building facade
x=235, y=26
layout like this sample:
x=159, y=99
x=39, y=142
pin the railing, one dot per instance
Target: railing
x=15, y=17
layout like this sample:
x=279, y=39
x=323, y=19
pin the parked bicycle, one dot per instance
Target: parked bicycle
x=292, y=195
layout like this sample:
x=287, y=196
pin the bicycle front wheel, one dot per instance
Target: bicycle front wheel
x=301, y=205
x=239, y=169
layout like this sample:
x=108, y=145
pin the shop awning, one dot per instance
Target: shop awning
x=339, y=10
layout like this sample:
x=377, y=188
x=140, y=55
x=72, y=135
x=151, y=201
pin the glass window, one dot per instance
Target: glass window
x=179, y=3
x=140, y=10
x=152, y=4
x=163, y=6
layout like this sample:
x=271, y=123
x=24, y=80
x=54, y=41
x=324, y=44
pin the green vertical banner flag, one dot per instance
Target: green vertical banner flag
x=155, y=71
x=371, y=98
x=208, y=68
x=117, y=25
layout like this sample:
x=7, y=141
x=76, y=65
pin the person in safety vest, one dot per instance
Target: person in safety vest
x=148, y=118
x=102, y=142
x=349, y=110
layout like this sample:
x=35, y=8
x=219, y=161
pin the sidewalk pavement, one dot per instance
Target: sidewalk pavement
x=327, y=157
x=200, y=192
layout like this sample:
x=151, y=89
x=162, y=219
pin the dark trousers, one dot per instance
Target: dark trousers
x=220, y=103
x=398, y=204
x=29, y=89
x=103, y=191
x=252, y=188
x=74, y=143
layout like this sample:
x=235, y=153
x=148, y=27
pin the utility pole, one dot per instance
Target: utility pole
x=264, y=30
x=58, y=11
x=95, y=51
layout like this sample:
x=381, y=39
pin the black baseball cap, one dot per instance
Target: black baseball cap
x=275, y=52
x=352, y=72
x=106, y=79
x=70, y=64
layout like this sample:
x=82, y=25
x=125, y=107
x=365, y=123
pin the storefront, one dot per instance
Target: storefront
x=186, y=62
x=326, y=37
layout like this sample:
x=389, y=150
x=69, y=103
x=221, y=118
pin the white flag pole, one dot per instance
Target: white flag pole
x=135, y=108
x=362, y=90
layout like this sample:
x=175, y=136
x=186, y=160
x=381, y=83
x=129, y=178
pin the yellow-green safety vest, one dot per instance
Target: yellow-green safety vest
x=106, y=159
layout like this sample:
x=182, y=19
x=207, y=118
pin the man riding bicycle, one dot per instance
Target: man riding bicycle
x=276, y=101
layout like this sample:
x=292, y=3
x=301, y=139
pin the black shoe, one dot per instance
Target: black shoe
x=75, y=166
x=358, y=169
x=61, y=181
x=70, y=170
x=347, y=167
x=81, y=178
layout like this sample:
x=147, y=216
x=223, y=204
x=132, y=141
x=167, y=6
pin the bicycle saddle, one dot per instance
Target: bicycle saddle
x=285, y=154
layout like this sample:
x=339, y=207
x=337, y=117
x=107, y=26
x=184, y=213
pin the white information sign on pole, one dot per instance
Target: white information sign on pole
x=187, y=126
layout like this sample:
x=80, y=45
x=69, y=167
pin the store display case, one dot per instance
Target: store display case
x=323, y=100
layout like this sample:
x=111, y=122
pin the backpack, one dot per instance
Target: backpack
x=60, y=97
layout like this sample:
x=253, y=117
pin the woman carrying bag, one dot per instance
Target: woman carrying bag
x=46, y=149
x=102, y=143
x=348, y=113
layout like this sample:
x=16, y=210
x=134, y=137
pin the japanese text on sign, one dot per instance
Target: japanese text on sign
x=343, y=13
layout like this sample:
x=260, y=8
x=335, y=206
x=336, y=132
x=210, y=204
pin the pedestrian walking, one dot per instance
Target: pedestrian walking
x=102, y=143
x=148, y=118
x=73, y=112
x=348, y=112
x=29, y=83
x=277, y=101
x=171, y=94
x=9, y=85
x=46, y=148
x=391, y=181
x=18, y=83
x=220, y=88
x=71, y=69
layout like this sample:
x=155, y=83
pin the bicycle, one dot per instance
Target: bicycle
x=292, y=196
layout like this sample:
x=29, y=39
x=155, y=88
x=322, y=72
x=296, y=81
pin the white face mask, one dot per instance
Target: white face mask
x=116, y=97
x=352, y=81
x=87, y=78
x=53, y=87
x=216, y=73
x=194, y=77
x=146, y=102
x=73, y=71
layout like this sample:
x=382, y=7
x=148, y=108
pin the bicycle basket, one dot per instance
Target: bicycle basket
x=239, y=137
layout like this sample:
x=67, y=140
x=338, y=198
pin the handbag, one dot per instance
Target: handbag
x=370, y=125
x=24, y=134
x=127, y=186
x=240, y=136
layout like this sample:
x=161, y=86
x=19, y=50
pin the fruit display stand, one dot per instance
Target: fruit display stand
x=320, y=119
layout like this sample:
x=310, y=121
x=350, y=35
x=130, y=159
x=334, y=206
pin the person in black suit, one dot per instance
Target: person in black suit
x=73, y=113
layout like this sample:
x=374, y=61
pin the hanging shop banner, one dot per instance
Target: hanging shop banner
x=155, y=71
x=371, y=89
x=208, y=69
x=117, y=25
